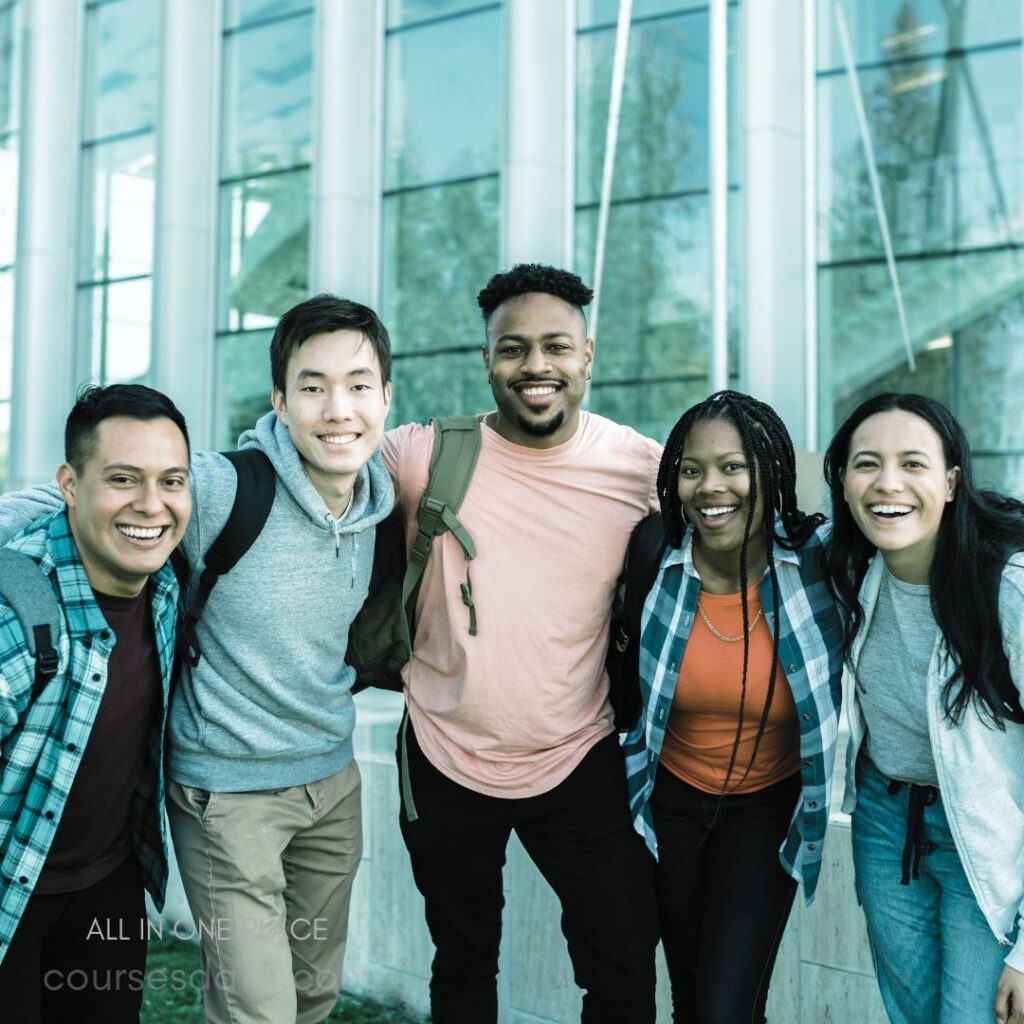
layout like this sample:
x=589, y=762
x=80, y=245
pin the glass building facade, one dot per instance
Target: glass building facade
x=869, y=202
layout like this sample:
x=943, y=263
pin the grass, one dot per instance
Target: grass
x=174, y=994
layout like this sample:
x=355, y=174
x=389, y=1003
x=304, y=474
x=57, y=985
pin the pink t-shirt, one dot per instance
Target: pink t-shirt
x=511, y=711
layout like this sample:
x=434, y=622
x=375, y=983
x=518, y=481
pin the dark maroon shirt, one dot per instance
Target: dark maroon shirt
x=94, y=834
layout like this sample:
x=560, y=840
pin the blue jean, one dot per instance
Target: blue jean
x=935, y=956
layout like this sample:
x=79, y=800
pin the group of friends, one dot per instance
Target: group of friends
x=695, y=829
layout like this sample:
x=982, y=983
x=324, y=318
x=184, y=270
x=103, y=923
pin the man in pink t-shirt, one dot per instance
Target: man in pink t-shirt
x=510, y=729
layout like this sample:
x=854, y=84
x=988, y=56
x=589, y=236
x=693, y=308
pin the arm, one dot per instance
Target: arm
x=1009, y=1003
x=22, y=508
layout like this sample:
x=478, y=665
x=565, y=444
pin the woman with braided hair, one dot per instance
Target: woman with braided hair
x=929, y=570
x=730, y=762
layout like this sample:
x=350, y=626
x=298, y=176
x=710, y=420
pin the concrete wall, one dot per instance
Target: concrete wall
x=823, y=973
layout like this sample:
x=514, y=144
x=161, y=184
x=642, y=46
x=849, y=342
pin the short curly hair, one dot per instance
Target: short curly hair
x=532, y=277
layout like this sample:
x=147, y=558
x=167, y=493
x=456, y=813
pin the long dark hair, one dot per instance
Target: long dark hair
x=980, y=530
x=768, y=450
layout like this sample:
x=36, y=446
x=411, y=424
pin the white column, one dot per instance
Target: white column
x=43, y=384
x=345, y=236
x=185, y=260
x=537, y=204
x=718, y=189
x=773, y=84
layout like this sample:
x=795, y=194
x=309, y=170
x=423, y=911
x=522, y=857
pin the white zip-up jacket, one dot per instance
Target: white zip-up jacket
x=980, y=767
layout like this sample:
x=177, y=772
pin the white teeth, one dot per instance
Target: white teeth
x=338, y=438
x=546, y=389
x=142, y=532
x=723, y=511
x=890, y=510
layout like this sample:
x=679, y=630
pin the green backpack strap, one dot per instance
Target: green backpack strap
x=456, y=446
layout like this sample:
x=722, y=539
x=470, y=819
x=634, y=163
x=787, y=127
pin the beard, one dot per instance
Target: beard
x=535, y=429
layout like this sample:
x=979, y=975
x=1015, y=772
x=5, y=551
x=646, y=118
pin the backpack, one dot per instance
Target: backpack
x=27, y=591
x=380, y=637
x=643, y=559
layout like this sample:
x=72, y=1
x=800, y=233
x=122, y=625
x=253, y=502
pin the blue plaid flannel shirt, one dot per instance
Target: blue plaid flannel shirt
x=810, y=653
x=41, y=745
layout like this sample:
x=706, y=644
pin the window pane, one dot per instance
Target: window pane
x=404, y=12
x=264, y=249
x=244, y=12
x=8, y=199
x=885, y=30
x=116, y=321
x=243, y=383
x=965, y=316
x=443, y=99
x=5, y=442
x=606, y=12
x=440, y=248
x=448, y=384
x=6, y=332
x=117, y=226
x=267, y=97
x=122, y=60
x=948, y=137
x=10, y=66
x=652, y=409
x=655, y=301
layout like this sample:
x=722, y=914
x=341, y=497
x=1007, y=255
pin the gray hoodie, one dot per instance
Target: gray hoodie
x=269, y=705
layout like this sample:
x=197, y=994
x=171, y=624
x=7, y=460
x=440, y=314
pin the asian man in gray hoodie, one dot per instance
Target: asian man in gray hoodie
x=264, y=797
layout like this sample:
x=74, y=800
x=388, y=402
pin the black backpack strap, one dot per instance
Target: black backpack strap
x=643, y=559
x=25, y=588
x=254, y=497
x=456, y=447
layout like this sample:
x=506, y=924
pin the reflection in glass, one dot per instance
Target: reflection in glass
x=8, y=199
x=116, y=320
x=440, y=248
x=892, y=30
x=264, y=249
x=655, y=306
x=442, y=384
x=267, y=97
x=606, y=12
x=442, y=113
x=243, y=383
x=246, y=12
x=5, y=442
x=663, y=131
x=121, y=68
x=407, y=12
x=10, y=65
x=6, y=332
x=948, y=137
x=117, y=226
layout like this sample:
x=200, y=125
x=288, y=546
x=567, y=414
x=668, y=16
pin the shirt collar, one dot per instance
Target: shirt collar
x=683, y=555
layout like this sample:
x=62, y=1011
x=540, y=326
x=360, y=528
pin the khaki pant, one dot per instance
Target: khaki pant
x=268, y=876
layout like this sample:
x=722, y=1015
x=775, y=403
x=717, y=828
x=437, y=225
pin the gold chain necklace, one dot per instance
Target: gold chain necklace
x=722, y=636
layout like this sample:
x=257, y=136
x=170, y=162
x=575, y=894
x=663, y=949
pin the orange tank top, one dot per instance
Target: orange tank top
x=701, y=728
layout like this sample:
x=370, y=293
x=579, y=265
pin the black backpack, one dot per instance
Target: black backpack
x=643, y=559
x=380, y=637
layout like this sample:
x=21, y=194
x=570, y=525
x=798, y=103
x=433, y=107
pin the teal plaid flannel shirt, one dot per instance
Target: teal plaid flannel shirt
x=41, y=745
x=810, y=654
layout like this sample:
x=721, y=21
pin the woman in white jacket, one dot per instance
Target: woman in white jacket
x=930, y=573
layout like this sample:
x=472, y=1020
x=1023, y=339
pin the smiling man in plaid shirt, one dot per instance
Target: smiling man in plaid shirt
x=81, y=778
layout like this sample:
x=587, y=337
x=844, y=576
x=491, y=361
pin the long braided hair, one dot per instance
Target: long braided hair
x=769, y=452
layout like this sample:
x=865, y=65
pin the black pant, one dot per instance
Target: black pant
x=723, y=897
x=580, y=837
x=79, y=957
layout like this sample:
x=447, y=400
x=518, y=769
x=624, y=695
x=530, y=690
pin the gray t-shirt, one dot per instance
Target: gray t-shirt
x=892, y=676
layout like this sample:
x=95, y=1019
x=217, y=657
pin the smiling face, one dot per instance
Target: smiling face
x=897, y=485
x=714, y=490
x=129, y=502
x=334, y=406
x=538, y=361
